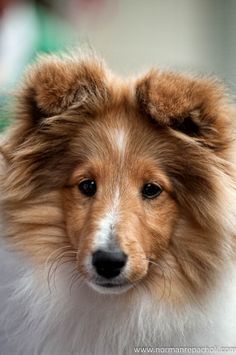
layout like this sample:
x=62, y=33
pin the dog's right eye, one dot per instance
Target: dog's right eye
x=88, y=187
x=151, y=190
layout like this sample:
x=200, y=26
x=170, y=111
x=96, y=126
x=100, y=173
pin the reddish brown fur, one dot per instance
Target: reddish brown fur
x=178, y=134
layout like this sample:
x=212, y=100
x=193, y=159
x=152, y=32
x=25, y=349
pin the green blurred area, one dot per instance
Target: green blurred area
x=5, y=117
x=3, y=124
x=51, y=34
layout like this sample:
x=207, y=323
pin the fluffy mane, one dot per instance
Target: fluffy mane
x=65, y=108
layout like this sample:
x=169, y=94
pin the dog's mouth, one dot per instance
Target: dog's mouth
x=106, y=287
x=108, y=284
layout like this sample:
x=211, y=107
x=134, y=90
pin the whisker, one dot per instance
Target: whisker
x=75, y=278
x=163, y=275
x=59, y=263
x=58, y=255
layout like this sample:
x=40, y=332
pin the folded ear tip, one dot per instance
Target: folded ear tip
x=195, y=106
x=167, y=94
x=53, y=84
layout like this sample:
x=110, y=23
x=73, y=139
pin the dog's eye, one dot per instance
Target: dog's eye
x=151, y=190
x=88, y=187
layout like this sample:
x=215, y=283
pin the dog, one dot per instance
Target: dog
x=118, y=213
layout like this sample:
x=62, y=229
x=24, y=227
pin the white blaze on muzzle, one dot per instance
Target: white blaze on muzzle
x=105, y=236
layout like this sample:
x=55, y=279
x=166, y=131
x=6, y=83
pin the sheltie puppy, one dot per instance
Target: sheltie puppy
x=118, y=214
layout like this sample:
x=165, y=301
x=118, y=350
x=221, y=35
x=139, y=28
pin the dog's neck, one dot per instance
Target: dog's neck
x=59, y=317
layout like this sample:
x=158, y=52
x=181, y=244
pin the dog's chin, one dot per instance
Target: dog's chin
x=110, y=288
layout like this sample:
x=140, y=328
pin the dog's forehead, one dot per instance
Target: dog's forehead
x=118, y=149
x=122, y=133
x=119, y=139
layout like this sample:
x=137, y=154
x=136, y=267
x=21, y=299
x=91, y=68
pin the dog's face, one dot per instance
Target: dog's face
x=119, y=208
x=132, y=181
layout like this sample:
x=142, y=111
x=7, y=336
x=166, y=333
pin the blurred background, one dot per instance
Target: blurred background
x=197, y=36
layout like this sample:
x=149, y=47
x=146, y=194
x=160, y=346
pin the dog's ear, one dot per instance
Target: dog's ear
x=54, y=85
x=195, y=107
x=57, y=96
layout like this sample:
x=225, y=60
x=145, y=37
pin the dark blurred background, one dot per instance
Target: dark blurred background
x=196, y=36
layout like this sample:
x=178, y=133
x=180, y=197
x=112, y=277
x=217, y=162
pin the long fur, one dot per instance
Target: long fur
x=74, y=112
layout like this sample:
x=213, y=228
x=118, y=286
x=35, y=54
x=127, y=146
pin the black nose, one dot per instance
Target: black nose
x=109, y=264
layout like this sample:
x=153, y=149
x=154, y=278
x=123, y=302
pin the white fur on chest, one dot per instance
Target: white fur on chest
x=80, y=321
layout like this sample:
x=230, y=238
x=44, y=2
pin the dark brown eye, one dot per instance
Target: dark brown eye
x=88, y=187
x=151, y=190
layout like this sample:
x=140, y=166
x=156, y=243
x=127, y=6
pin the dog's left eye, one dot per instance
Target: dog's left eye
x=88, y=187
x=151, y=190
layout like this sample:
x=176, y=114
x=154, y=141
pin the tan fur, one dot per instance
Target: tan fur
x=179, y=134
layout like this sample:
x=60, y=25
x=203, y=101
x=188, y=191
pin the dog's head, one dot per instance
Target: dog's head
x=129, y=180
